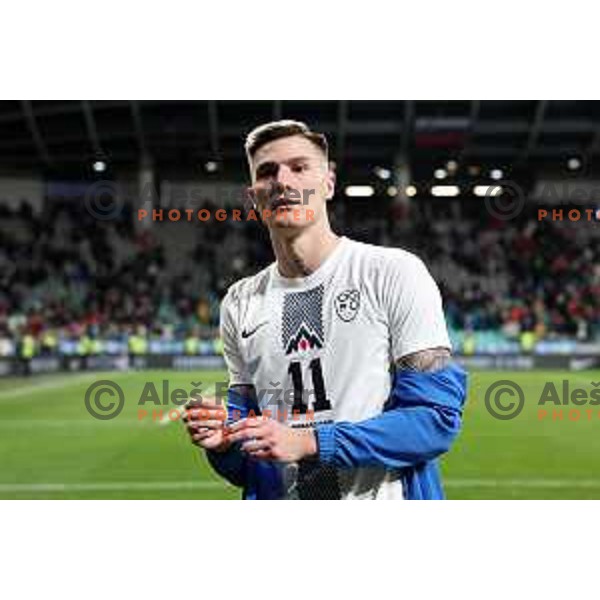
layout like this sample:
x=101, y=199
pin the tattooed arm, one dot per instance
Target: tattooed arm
x=421, y=419
x=423, y=413
x=425, y=361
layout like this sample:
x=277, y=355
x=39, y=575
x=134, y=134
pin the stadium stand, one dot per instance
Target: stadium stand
x=78, y=285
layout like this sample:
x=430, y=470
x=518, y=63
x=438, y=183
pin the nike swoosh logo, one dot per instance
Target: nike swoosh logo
x=247, y=334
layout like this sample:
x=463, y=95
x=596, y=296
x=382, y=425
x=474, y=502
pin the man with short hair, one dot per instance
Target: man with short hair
x=341, y=378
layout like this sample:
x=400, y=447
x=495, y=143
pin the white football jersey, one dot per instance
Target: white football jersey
x=320, y=349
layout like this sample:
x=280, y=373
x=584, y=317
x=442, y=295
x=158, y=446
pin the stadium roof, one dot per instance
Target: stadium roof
x=64, y=136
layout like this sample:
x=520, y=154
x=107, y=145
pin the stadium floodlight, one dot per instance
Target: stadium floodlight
x=211, y=166
x=452, y=167
x=445, y=191
x=382, y=173
x=496, y=174
x=392, y=191
x=573, y=163
x=359, y=191
x=411, y=191
x=99, y=166
x=487, y=190
x=440, y=173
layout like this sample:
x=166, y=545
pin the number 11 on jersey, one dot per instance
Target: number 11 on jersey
x=321, y=402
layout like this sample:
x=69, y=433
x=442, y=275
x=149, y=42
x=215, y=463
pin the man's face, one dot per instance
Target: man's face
x=291, y=183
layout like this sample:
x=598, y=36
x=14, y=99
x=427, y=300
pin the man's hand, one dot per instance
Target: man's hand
x=205, y=422
x=270, y=440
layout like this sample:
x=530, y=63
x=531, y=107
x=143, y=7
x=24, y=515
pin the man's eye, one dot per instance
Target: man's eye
x=266, y=170
x=299, y=168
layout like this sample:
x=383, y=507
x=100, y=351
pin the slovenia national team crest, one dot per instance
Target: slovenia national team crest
x=347, y=304
x=302, y=327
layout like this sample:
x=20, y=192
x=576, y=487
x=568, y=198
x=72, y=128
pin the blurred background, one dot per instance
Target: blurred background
x=85, y=286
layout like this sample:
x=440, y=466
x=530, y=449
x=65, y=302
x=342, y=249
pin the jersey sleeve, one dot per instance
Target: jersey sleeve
x=238, y=372
x=413, y=305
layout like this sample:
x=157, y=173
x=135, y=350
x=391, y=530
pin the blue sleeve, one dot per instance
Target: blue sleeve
x=232, y=464
x=421, y=419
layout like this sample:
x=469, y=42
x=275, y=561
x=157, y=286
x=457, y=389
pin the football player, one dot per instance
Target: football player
x=342, y=383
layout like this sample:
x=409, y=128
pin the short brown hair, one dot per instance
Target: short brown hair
x=263, y=134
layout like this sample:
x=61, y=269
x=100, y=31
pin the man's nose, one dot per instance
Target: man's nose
x=283, y=176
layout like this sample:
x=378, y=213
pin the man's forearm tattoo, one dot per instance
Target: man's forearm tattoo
x=432, y=359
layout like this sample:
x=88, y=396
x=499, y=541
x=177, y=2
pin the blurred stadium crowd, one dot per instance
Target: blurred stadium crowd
x=76, y=285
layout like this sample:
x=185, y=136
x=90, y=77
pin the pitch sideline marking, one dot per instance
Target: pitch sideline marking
x=114, y=486
x=214, y=485
x=523, y=483
x=47, y=385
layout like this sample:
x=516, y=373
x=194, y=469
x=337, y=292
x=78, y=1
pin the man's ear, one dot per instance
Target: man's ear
x=330, y=183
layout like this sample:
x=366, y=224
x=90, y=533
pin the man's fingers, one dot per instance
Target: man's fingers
x=204, y=402
x=205, y=410
x=205, y=414
x=204, y=422
x=203, y=434
x=247, y=433
x=251, y=422
x=208, y=424
x=262, y=454
x=253, y=445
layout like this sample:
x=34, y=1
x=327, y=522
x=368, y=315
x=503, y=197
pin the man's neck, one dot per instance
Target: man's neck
x=303, y=254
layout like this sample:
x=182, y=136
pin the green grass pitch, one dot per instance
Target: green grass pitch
x=50, y=447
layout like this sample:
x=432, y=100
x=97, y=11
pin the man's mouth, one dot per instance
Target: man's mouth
x=283, y=203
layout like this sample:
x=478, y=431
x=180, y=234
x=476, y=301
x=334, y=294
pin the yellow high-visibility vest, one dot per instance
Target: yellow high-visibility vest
x=469, y=345
x=138, y=344
x=191, y=345
x=528, y=341
x=28, y=346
